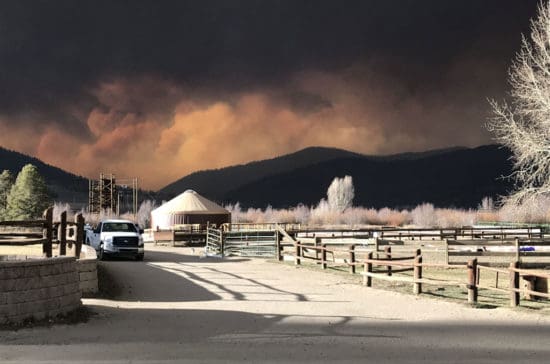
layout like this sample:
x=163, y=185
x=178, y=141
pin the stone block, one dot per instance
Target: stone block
x=73, y=277
x=87, y=276
x=7, y=285
x=26, y=308
x=71, y=300
x=87, y=266
x=3, y=273
x=89, y=286
x=40, y=315
x=5, y=310
x=71, y=288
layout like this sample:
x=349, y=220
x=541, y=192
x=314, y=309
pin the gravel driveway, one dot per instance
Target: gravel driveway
x=178, y=307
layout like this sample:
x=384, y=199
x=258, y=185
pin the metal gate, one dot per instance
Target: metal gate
x=241, y=243
x=214, y=243
x=250, y=243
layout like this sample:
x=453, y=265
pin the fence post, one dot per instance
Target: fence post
x=317, y=243
x=516, y=240
x=352, y=258
x=222, y=244
x=417, y=273
x=47, y=233
x=62, y=234
x=514, y=284
x=297, y=253
x=387, y=252
x=447, y=251
x=79, y=220
x=324, y=256
x=278, y=245
x=472, y=287
x=367, y=280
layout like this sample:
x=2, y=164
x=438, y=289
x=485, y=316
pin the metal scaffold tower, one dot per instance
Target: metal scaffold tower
x=112, y=195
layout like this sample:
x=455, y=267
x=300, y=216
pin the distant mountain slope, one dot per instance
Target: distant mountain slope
x=67, y=186
x=216, y=183
x=456, y=177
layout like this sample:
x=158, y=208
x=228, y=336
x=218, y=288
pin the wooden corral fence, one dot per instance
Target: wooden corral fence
x=467, y=232
x=385, y=267
x=516, y=249
x=489, y=232
x=261, y=227
x=320, y=254
x=173, y=237
x=63, y=232
x=362, y=244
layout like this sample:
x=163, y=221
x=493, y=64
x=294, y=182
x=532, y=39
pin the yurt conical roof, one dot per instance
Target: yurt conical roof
x=190, y=202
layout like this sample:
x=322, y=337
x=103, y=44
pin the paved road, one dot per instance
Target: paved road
x=177, y=307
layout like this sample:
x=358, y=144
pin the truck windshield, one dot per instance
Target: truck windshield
x=119, y=226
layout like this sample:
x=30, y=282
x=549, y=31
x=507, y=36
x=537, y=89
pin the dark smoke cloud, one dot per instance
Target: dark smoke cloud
x=154, y=85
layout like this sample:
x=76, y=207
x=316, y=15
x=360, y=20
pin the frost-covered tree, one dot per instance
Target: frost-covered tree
x=340, y=193
x=28, y=197
x=523, y=123
x=487, y=204
x=6, y=182
x=144, y=213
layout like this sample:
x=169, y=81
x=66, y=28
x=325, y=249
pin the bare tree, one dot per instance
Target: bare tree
x=523, y=124
x=340, y=193
x=144, y=213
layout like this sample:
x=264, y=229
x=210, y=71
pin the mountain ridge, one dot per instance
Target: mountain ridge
x=207, y=181
x=468, y=175
x=69, y=186
x=456, y=176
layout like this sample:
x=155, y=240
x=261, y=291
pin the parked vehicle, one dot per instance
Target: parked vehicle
x=121, y=238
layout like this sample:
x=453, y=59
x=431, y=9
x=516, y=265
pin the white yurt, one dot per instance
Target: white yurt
x=188, y=208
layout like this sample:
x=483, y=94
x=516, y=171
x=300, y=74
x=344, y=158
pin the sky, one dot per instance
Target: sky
x=159, y=89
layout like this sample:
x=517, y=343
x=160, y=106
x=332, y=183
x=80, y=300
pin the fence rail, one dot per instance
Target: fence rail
x=477, y=232
x=516, y=249
x=63, y=232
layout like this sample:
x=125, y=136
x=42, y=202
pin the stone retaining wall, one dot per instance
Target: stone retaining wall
x=87, y=270
x=38, y=288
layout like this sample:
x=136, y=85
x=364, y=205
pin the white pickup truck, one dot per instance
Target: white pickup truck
x=116, y=238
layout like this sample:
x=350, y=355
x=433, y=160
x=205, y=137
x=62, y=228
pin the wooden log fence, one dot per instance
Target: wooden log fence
x=302, y=251
x=486, y=232
x=392, y=264
x=65, y=232
x=517, y=249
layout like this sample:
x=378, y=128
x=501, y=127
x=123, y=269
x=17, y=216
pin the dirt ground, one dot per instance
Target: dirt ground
x=178, y=307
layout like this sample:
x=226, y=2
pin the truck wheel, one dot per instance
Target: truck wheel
x=101, y=253
x=139, y=257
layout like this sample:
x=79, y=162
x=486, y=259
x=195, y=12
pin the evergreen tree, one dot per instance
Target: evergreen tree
x=28, y=197
x=6, y=182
